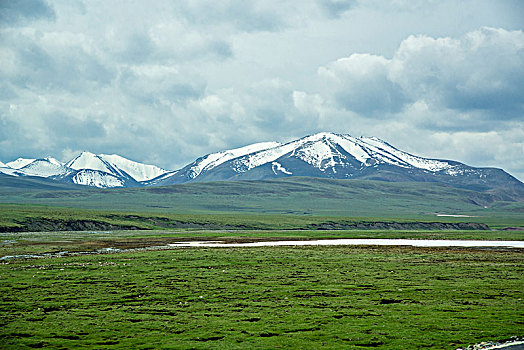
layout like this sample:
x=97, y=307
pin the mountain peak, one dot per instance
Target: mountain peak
x=138, y=171
x=20, y=163
x=44, y=167
x=52, y=160
x=88, y=160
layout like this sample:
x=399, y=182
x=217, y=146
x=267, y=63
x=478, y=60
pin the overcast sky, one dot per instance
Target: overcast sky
x=164, y=82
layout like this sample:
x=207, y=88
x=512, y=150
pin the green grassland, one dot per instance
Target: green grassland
x=297, y=203
x=278, y=297
x=274, y=297
x=295, y=196
x=28, y=218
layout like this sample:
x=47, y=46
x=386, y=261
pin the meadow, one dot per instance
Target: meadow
x=105, y=280
x=278, y=297
x=299, y=197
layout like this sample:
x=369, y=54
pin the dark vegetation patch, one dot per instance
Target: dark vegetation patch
x=45, y=224
x=377, y=225
x=390, y=301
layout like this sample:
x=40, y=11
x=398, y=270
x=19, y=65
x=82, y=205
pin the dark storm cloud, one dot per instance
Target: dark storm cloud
x=19, y=12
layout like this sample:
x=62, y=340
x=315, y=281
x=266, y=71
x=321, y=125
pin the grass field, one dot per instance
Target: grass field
x=25, y=217
x=279, y=297
x=273, y=297
x=294, y=196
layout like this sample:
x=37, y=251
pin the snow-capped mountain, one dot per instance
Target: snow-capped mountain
x=210, y=161
x=115, y=165
x=138, y=171
x=88, y=169
x=324, y=155
x=338, y=156
x=109, y=171
x=45, y=167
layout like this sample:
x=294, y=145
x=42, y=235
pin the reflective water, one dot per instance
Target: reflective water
x=381, y=242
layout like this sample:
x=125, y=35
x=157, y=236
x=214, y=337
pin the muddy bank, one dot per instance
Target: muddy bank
x=399, y=226
x=136, y=245
x=44, y=224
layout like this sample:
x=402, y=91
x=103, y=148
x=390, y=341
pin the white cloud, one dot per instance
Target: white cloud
x=480, y=71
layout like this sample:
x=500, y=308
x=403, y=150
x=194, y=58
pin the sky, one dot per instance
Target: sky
x=166, y=81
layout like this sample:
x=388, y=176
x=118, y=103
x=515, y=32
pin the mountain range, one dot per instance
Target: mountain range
x=88, y=169
x=322, y=155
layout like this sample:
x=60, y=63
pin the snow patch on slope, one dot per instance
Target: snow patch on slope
x=96, y=178
x=276, y=166
x=10, y=171
x=215, y=159
x=417, y=162
x=310, y=149
x=20, y=163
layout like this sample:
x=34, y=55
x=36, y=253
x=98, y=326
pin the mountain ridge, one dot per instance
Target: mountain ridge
x=322, y=155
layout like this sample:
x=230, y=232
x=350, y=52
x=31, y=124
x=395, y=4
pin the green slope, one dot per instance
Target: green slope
x=292, y=196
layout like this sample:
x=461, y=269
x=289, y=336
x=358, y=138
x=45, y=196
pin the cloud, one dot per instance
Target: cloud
x=494, y=148
x=480, y=72
x=159, y=84
x=65, y=61
x=335, y=8
x=19, y=12
x=245, y=15
x=69, y=130
x=360, y=83
x=231, y=118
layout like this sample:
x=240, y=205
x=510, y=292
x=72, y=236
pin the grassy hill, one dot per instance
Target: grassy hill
x=284, y=198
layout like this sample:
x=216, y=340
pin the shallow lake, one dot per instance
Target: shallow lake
x=381, y=242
